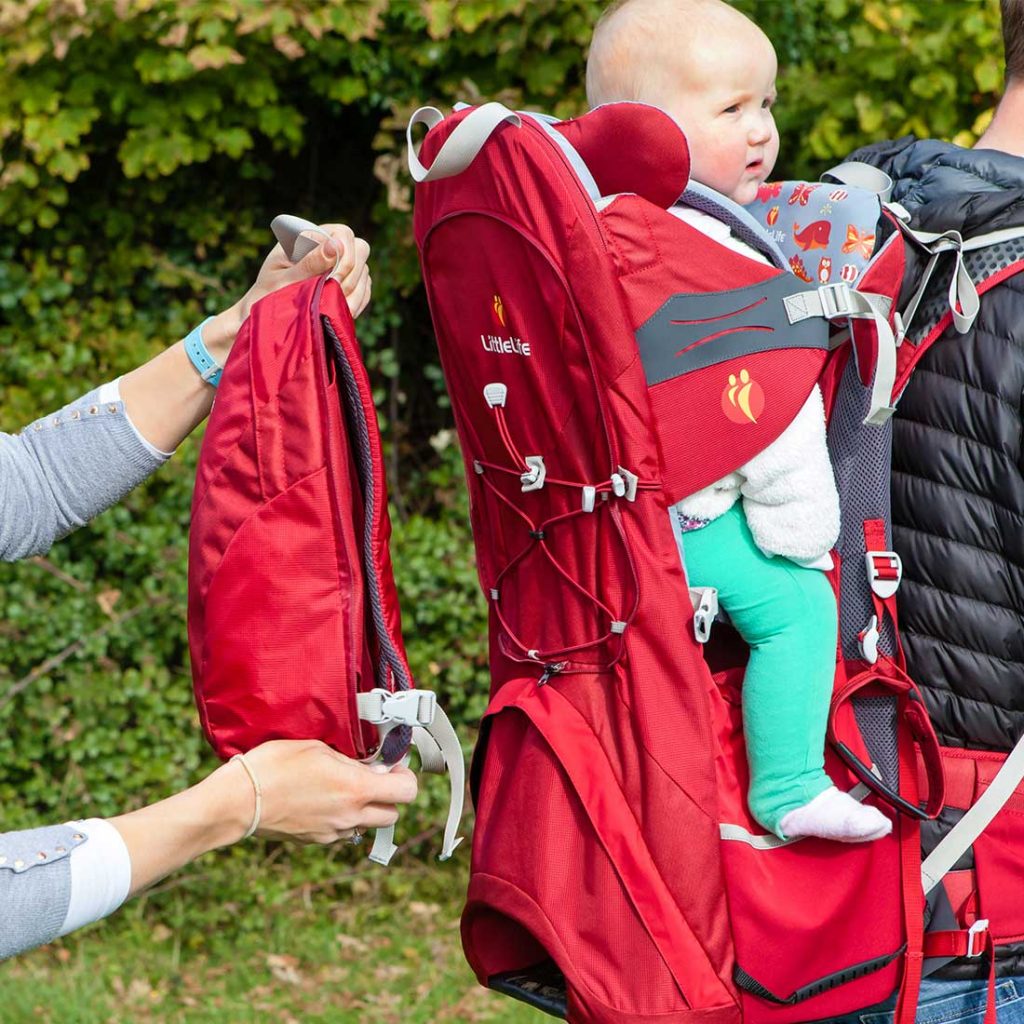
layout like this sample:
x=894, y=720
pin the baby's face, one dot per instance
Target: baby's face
x=723, y=98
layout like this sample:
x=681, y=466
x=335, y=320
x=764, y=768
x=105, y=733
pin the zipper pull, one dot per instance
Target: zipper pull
x=551, y=670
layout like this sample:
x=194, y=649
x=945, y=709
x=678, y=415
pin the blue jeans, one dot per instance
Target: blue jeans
x=950, y=1002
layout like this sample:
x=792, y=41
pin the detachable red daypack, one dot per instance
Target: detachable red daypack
x=594, y=363
x=294, y=623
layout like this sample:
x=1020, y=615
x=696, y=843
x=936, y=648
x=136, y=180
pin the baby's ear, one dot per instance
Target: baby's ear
x=632, y=147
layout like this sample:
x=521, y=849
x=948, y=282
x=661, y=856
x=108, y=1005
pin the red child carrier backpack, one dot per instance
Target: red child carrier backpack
x=294, y=623
x=598, y=374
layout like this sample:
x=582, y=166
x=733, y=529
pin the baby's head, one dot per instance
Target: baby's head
x=708, y=66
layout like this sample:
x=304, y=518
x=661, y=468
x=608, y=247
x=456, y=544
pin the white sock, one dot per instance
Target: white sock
x=836, y=815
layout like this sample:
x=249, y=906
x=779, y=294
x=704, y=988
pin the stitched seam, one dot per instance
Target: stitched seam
x=1015, y=512
x=960, y=437
x=960, y=543
x=960, y=647
x=1012, y=406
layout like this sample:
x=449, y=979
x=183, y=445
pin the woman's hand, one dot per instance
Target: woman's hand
x=313, y=794
x=277, y=272
x=309, y=793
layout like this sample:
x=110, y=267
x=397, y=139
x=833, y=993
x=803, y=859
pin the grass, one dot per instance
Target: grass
x=359, y=944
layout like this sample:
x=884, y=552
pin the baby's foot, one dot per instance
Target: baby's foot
x=836, y=815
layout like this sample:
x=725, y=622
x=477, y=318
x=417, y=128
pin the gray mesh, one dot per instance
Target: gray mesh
x=980, y=264
x=861, y=459
x=876, y=717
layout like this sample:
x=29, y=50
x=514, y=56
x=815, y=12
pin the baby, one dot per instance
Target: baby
x=762, y=534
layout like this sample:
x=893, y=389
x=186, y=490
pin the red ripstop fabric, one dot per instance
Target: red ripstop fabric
x=283, y=563
x=610, y=777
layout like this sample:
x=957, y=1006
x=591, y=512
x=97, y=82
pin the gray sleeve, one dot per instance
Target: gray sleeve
x=63, y=470
x=35, y=885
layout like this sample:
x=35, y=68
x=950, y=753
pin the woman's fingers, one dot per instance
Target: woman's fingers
x=359, y=296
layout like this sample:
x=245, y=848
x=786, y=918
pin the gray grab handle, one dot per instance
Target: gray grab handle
x=288, y=230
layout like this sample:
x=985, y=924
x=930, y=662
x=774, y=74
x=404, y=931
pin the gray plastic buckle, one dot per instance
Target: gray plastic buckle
x=705, y=608
x=533, y=478
x=404, y=707
x=836, y=300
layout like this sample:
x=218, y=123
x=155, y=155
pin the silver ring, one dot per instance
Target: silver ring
x=356, y=838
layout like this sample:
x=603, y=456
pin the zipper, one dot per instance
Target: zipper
x=551, y=669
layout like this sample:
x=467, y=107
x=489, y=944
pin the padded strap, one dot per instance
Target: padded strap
x=860, y=175
x=464, y=143
x=960, y=837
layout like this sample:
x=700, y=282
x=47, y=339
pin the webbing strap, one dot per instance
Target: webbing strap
x=860, y=175
x=462, y=146
x=960, y=837
x=840, y=301
x=435, y=739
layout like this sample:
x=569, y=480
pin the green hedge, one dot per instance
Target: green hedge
x=144, y=147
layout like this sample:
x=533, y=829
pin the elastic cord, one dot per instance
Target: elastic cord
x=259, y=793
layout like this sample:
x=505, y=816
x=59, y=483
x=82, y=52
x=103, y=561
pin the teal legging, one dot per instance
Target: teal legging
x=787, y=616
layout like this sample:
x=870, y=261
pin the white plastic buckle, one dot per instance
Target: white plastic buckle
x=976, y=929
x=836, y=300
x=885, y=572
x=630, y=482
x=705, y=609
x=868, y=638
x=403, y=707
x=533, y=478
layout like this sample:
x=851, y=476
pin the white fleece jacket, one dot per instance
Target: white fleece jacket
x=788, y=490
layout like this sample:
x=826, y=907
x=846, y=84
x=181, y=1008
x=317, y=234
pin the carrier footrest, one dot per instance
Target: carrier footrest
x=541, y=986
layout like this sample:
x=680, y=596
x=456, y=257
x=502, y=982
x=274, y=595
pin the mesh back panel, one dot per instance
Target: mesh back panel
x=876, y=717
x=861, y=458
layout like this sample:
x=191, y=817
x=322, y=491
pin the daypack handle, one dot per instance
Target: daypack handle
x=911, y=713
x=462, y=146
x=288, y=230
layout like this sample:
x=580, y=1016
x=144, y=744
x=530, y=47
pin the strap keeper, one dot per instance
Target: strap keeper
x=536, y=534
x=631, y=481
x=494, y=593
x=978, y=928
x=618, y=628
x=589, y=498
x=477, y=468
x=533, y=478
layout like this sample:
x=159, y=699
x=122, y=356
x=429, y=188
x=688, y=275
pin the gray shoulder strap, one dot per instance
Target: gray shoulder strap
x=864, y=176
x=740, y=222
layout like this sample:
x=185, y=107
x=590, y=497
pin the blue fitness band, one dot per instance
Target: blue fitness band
x=199, y=355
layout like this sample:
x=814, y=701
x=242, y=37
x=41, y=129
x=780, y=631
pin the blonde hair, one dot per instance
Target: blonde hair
x=635, y=41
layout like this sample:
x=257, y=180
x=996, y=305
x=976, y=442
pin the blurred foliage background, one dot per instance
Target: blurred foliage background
x=144, y=147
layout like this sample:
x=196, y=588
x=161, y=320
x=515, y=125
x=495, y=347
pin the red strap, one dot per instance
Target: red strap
x=913, y=895
x=875, y=540
x=958, y=943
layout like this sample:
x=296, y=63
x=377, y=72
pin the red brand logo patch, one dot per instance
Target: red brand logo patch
x=742, y=399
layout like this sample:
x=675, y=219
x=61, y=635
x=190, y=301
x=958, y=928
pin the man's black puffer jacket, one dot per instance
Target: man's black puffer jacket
x=958, y=477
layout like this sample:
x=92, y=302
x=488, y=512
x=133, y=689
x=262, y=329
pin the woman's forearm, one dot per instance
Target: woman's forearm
x=166, y=398
x=169, y=834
